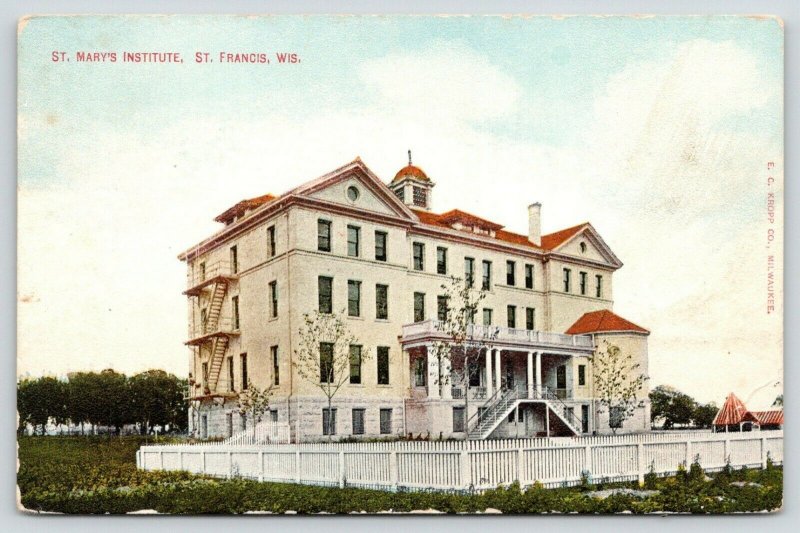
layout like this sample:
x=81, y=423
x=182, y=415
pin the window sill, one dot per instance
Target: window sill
x=355, y=317
x=272, y=319
x=382, y=320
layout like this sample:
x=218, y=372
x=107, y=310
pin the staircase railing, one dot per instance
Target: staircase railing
x=482, y=410
x=566, y=413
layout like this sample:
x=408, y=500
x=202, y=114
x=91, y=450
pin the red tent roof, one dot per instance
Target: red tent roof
x=769, y=417
x=600, y=321
x=733, y=412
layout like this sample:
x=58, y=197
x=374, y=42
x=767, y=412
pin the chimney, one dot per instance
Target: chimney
x=535, y=223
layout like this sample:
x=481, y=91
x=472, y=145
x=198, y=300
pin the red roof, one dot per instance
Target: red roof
x=239, y=209
x=769, y=417
x=600, y=321
x=468, y=219
x=554, y=240
x=733, y=412
x=410, y=171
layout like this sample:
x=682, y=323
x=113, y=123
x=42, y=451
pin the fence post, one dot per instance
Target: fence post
x=261, y=466
x=180, y=459
x=297, y=466
x=727, y=451
x=689, y=459
x=138, y=459
x=230, y=465
x=203, y=460
x=588, y=459
x=520, y=462
x=465, y=470
x=640, y=462
x=763, y=452
x=394, y=475
x=161, y=460
x=341, y=470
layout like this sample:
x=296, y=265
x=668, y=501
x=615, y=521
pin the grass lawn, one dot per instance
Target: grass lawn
x=98, y=475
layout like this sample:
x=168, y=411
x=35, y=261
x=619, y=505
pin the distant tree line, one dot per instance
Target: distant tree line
x=107, y=398
x=670, y=407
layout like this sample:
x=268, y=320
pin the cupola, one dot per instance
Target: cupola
x=413, y=186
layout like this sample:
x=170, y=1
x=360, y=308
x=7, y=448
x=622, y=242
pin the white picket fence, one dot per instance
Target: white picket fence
x=265, y=432
x=458, y=466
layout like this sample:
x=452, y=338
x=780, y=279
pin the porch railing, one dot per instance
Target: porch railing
x=498, y=333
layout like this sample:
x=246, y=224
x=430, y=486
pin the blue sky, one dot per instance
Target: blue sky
x=655, y=129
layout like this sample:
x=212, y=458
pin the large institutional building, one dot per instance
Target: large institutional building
x=349, y=243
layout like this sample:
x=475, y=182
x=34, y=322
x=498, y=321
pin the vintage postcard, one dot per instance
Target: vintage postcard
x=456, y=264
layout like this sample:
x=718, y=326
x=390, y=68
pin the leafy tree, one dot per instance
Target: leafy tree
x=704, y=414
x=110, y=391
x=671, y=406
x=465, y=342
x=41, y=400
x=323, y=356
x=617, y=383
x=80, y=402
x=156, y=399
x=255, y=402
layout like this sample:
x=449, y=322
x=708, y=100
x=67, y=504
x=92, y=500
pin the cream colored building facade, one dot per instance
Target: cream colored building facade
x=349, y=243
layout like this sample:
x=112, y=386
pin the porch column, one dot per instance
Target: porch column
x=433, y=372
x=530, y=374
x=489, y=390
x=447, y=386
x=538, y=372
x=497, y=373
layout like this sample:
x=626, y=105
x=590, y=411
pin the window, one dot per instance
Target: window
x=230, y=374
x=458, y=420
x=273, y=415
x=512, y=316
x=487, y=275
x=235, y=311
x=487, y=317
x=383, y=365
x=419, y=306
x=355, y=364
x=474, y=374
x=567, y=273
x=583, y=247
x=358, y=421
x=325, y=362
x=276, y=369
x=245, y=380
x=528, y=276
x=441, y=260
x=598, y=286
x=273, y=298
x=511, y=278
x=353, y=298
x=441, y=308
x=229, y=424
x=469, y=271
x=329, y=421
x=400, y=193
x=381, y=302
x=271, y=241
x=353, y=241
x=386, y=421
x=242, y=422
x=203, y=426
x=419, y=256
x=325, y=289
x=205, y=375
x=353, y=193
x=380, y=246
x=234, y=260
x=583, y=283
x=323, y=235
x=420, y=374
x=420, y=197
x=202, y=271
x=585, y=418
x=581, y=375
x=530, y=318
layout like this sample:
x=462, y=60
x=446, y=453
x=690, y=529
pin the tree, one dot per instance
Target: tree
x=255, y=402
x=704, y=415
x=671, y=406
x=465, y=342
x=41, y=400
x=80, y=402
x=617, y=384
x=328, y=356
x=156, y=399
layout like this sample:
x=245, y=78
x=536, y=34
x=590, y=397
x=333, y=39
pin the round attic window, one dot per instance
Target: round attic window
x=353, y=193
x=583, y=247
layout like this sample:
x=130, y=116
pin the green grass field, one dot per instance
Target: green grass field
x=90, y=475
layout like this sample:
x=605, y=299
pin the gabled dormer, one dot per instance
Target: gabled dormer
x=463, y=221
x=412, y=186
